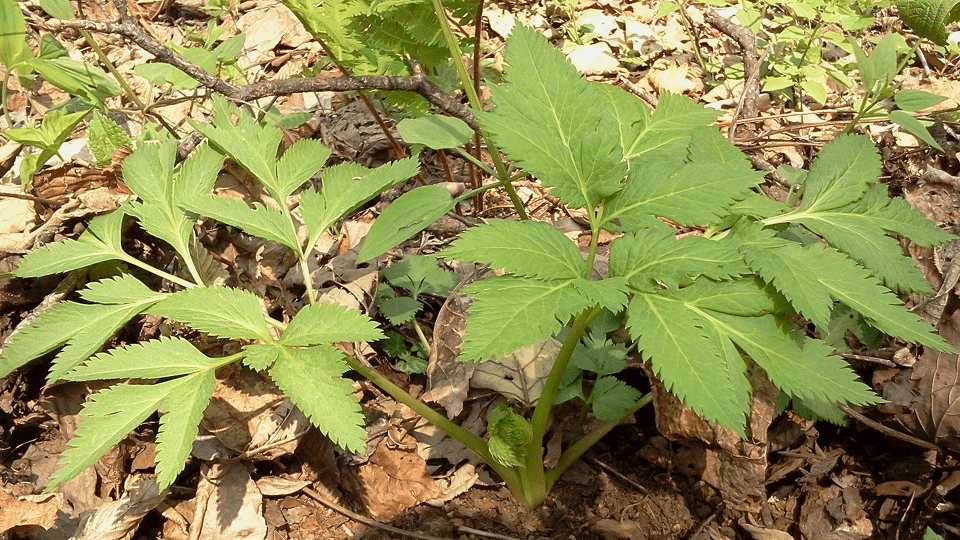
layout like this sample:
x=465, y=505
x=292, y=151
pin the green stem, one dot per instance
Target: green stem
x=3, y=97
x=533, y=470
x=572, y=454
x=471, y=441
x=421, y=335
x=155, y=271
x=474, y=98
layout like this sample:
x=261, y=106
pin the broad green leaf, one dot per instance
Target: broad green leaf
x=222, y=311
x=105, y=137
x=547, y=122
x=313, y=379
x=161, y=74
x=687, y=356
x=435, y=131
x=250, y=144
x=691, y=193
x=260, y=357
x=181, y=413
x=153, y=359
x=76, y=78
x=59, y=9
x=612, y=398
x=329, y=323
x=525, y=248
x=798, y=273
x=123, y=289
x=653, y=256
x=664, y=134
x=198, y=173
x=83, y=327
x=801, y=369
x=263, y=221
x=509, y=312
x=916, y=100
x=13, y=35
x=300, y=162
x=610, y=293
x=112, y=413
x=413, y=212
x=915, y=127
x=99, y=243
x=929, y=18
x=108, y=417
x=347, y=186
x=400, y=310
x=842, y=172
x=858, y=231
x=419, y=274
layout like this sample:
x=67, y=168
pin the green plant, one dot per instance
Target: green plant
x=876, y=72
x=417, y=275
x=696, y=305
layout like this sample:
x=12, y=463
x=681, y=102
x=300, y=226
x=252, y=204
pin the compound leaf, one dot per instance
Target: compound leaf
x=153, y=359
x=803, y=369
x=329, y=323
x=546, y=121
x=687, y=356
x=525, y=248
x=841, y=174
x=612, y=398
x=260, y=220
x=122, y=289
x=252, y=145
x=85, y=326
x=313, y=379
x=300, y=162
x=180, y=415
x=113, y=412
x=654, y=255
x=99, y=243
x=419, y=274
x=347, y=186
x=509, y=312
x=665, y=134
x=689, y=193
x=222, y=311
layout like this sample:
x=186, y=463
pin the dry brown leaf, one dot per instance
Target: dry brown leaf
x=231, y=504
x=395, y=479
x=32, y=510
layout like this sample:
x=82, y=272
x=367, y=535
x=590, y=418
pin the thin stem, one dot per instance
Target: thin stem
x=572, y=454
x=471, y=441
x=474, y=98
x=156, y=271
x=3, y=97
x=421, y=335
x=534, y=471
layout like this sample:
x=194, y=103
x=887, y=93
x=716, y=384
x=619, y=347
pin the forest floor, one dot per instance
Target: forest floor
x=806, y=479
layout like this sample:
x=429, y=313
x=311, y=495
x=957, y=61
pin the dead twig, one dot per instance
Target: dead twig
x=747, y=41
x=889, y=431
x=364, y=519
x=131, y=29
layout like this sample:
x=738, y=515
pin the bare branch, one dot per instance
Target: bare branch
x=129, y=28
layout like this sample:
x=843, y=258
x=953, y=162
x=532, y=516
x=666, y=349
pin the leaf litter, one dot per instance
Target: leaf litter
x=846, y=482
